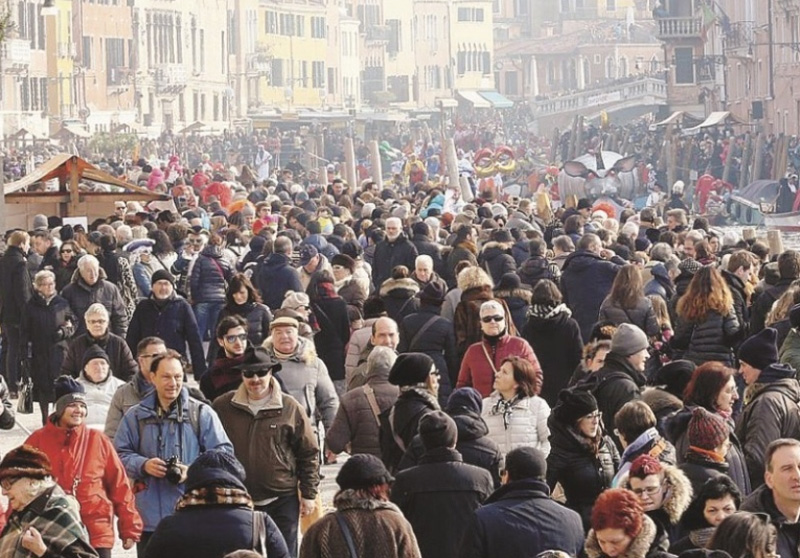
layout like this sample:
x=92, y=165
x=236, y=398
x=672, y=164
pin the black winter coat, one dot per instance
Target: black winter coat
x=438, y=498
x=461, y=252
x=763, y=304
x=699, y=468
x=209, y=279
x=710, y=339
x=45, y=328
x=586, y=280
x=535, y=269
x=390, y=254
x=16, y=288
x=399, y=298
x=425, y=247
x=402, y=421
x=677, y=432
x=274, y=277
x=438, y=341
x=520, y=520
x=121, y=360
x=763, y=501
x=258, y=317
x=472, y=443
x=333, y=335
x=558, y=346
x=174, y=323
x=739, y=301
x=80, y=296
x=518, y=302
x=497, y=261
x=215, y=531
x=582, y=473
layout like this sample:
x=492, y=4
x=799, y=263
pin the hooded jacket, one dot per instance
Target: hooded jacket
x=661, y=284
x=642, y=316
x=399, y=297
x=496, y=260
x=209, y=277
x=536, y=268
x=586, y=280
x=790, y=350
x=15, y=286
x=520, y=520
x=274, y=277
x=649, y=543
x=103, y=491
x=769, y=413
x=518, y=302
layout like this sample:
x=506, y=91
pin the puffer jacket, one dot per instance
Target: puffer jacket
x=582, y=472
x=518, y=301
x=527, y=423
x=586, y=280
x=536, y=268
x=80, y=296
x=85, y=455
x=124, y=398
x=98, y=398
x=305, y=377
x=740, y=298
x=355, y=424
x=143, y=434
x=399, y=297
x=711, y=339
x=677, y=432
x=497, y=261
x=643, y=316
x=790, y=350
x=174, y=323
x=209, y=277
x=476, y=370
x=277, y=446
x=770, y=412
x=661, y=284
x=121, y=360
x=274, y=276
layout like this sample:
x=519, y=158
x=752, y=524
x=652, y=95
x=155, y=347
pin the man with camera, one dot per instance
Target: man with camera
x=160, y=437
x=273, y=438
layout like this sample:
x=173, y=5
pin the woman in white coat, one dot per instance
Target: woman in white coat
x=514, y=412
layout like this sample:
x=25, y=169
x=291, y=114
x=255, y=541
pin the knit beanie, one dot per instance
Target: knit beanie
x=628, y=340
x=437, y=430
x=25, y=461
x=67, y=391
x=39, y=221
x=362, y=471
x=162, y=275
x=707, y=430
x=574, y=404
x=410, y=369
x=674, y=376
x=760, y=350
x=689, y=266
x=93, y=352
x=464, y=399
x=432, y=293
x=215, y=467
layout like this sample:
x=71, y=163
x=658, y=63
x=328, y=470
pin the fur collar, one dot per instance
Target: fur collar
x=638, y=548
x=681, y=496
x=351, y=500
x=406, y=283
x=524, y=294
x=305, y=352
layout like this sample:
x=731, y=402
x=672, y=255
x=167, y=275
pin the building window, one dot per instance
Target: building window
x=331, y=79
x=271, y=23
x=300, y=26
x=470, y=14
x=318, y=75
x=115, y=60
x=277, y=73
x=395, y=36
x=611, y=5
x=86, y=53
x=317, y=27
x=684, y=65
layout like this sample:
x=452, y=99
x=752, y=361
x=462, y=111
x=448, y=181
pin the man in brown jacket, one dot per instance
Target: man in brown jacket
x=272, y=437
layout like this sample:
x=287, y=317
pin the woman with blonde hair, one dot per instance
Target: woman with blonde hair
x=706, y=327
x=626, y=302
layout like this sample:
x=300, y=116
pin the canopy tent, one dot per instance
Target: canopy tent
x=716, y=119
x=498, y=101
x=71, y=130
x=679, y=117
x=474, y=99
x=195, y=126
x=69, y=170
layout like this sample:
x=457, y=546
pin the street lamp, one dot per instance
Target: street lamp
x=49, y=8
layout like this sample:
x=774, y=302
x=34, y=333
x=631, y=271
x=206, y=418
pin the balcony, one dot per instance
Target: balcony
x=171, y=78
x=376, y=34
x=16, y=55
x=739, y=40
x=789, y=5
x=679, y=28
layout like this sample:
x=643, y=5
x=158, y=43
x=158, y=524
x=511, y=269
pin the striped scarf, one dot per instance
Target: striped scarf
x=215, y=496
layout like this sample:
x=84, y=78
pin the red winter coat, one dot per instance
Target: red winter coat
x=477, y=372
x=103, y=491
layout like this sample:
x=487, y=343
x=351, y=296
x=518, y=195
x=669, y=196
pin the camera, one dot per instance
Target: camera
x=174, y=472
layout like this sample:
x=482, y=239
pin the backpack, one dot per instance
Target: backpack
x=192, y=414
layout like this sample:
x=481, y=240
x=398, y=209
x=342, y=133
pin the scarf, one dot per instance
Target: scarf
x=700, y=537
x=506, y=407
x=546, y=311
x=647, y=437
x=707, y=455
x=422, y=391
x=281, y=356
x=326, y=290
x=223, y=375
x=215, y=496
x=468, y=245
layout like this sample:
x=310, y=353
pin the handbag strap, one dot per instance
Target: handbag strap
x=348, y=536
x=373, y=403
x=422, y=330
x=259, y=533
x=489, y=358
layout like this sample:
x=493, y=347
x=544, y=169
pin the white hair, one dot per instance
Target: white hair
x=424, y=259
x=42, y=276
x=87, y=261
x=491, y=307
x=96, y=309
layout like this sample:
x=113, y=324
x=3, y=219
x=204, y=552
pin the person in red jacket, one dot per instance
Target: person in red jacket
x=86, y=466
x=484, y=358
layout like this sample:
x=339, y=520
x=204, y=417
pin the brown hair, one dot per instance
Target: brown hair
x=528, y=379
x=706, y=382
x=707, y=292
x=627, y=290
x=633, y=419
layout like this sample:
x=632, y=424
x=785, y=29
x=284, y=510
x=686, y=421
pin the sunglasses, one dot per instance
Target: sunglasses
x=489, y=319
x=260, y=373
x=234, y=338
x=67, y=251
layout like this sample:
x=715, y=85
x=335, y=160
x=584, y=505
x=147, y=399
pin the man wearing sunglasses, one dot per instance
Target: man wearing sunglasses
x=223, y=376
x=273, y=438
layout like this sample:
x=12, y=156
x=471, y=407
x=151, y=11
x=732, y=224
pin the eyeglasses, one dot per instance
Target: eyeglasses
x=260, y=373
x=151, y=355
x=234, y=338
x=6, y=484
x=592, y=416
x=489, y=319
x=98, y=321
x=67, y=251
x=649, y=490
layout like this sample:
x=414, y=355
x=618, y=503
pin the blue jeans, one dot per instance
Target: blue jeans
x=207, y=314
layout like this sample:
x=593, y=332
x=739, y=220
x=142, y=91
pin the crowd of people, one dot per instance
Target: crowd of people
x=498, y=382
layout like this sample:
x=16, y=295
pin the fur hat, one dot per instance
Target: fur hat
x=25, y=461
x=344, y=261
x=574, y=404
x=410, y=369
x=437, y=430
x=363, y=471
x=707, y=430
x=760, y=350
x=628, y=340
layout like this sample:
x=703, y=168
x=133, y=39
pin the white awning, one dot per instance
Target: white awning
x=77, y=131
x=446, y=103
x=715, y=119
x=475, y=99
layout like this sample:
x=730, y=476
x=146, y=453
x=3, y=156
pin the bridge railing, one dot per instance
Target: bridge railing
x=603, y=96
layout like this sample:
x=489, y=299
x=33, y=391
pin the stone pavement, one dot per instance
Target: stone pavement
x=9, y=439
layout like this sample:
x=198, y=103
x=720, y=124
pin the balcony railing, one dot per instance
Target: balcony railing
x=377, y=33
x=789, y=5
x=171, y=78
x=739, y=40
x=629, y=91
x=679, y=27
x=16, y=55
